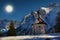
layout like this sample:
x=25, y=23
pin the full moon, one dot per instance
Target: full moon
x=9, y=8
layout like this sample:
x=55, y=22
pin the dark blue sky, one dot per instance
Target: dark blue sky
x=21, y=7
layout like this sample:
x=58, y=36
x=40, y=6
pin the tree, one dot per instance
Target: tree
x=56, y=28
x=0, y=33
x=12, y=31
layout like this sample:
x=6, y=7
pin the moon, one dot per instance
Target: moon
x=9, y=8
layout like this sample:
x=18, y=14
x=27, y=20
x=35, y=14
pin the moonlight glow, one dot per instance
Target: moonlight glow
x=9, y=8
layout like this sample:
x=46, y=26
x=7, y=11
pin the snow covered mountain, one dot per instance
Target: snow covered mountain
x=48, y=14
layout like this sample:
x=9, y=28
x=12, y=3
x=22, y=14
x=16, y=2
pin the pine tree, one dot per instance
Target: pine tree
x=57, y=26
x=0, y=33
x=12, y=31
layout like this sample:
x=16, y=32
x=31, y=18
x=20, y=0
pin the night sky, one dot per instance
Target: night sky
x=21, y=7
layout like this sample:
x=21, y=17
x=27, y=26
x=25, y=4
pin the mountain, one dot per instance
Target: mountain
x=52, y=16
x=48, y=14
x=48, y=17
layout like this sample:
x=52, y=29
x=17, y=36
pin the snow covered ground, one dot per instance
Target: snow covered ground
x=30, y=37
